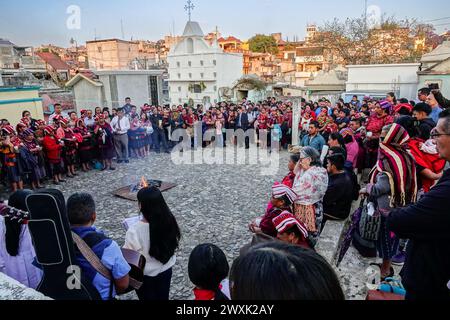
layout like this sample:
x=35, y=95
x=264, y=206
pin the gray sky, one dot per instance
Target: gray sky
x=45, y=21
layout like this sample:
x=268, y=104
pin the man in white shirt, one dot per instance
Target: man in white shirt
x=89, y=121
x=120, y=126
x=58, y=112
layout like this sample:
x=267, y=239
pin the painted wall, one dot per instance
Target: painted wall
x=113, y=55
x=13, y=101
x=442, y=80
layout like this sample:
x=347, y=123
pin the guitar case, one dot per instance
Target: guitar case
x=50, y=231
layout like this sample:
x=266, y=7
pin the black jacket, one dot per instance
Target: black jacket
x=426, y=224
x=245, y=124
x=425, y=128
x=339, y=197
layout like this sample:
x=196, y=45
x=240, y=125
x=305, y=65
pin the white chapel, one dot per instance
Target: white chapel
x=197, y=70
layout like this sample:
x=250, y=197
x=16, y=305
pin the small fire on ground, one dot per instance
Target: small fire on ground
x=141, y=185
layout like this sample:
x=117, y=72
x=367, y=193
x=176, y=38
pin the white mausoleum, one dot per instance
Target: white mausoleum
x=197, y=70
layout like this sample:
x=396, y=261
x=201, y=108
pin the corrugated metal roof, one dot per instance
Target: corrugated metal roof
x=53, y=60
x=4, y=42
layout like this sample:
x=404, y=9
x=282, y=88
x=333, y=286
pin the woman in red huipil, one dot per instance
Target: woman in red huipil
x=53, y=148
x=9, y=149
x=262, y=121
x=85, y=147
x=70, y=148
x=105, y=140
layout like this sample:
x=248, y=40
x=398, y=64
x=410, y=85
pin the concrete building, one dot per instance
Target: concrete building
x=436, y=68
x=329, y=84
x=378, y=79
x=197, y=70
x=110, y=88
x=15, y=100
x=111, y=54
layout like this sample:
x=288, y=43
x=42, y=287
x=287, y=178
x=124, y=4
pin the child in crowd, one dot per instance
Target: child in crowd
x=208, y=269
x=291, y=230
x=282, y=199
x=53, y=148
x=82, y=216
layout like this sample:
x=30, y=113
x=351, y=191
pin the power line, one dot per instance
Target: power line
x=437, y=19
x=442, y=24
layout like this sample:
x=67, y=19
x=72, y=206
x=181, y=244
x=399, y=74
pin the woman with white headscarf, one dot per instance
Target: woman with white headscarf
x=310, y=184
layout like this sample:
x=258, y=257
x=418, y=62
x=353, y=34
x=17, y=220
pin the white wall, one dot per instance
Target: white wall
x=130, y=84
x=225, y=73
x=87, y=96
x=394, y=77
x=134, y=86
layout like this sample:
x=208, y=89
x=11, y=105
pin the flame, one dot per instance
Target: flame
x=144, y=183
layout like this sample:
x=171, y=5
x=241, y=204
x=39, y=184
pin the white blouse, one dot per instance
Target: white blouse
x=138, y=239
x=19, y=267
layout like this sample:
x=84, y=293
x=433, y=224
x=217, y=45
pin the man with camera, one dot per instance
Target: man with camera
x=436, y=95
x=440, y=99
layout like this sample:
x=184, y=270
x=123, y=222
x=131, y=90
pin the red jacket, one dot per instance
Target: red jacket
x=376, y=124
x=52, y=149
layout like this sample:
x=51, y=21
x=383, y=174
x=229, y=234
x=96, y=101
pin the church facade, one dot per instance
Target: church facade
x=198, y=70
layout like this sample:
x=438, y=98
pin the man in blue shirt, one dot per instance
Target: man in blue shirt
x=81, y=212
x=314, y=139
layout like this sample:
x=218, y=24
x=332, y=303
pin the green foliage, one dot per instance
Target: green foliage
x=263, y=44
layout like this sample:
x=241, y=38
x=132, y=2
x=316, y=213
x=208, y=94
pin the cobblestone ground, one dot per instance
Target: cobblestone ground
x=212, y=204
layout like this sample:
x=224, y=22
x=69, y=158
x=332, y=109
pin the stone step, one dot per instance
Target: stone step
x=10, y=289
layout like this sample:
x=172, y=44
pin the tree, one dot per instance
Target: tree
x=263, y=44
x=392, y=41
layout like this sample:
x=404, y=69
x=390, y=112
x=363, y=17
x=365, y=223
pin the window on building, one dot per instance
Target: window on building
x=201, y=63
x=179, y=89
x=190, y=45
x=178, y=64
x=202, y=75
x=102, y=66
x=215, y=62
x=190, y=64
x=99, y=49
x=179, y=100
x=197, y=88
x=215, y=74
x=190, y=75
x=179, y=76
x=215, y=88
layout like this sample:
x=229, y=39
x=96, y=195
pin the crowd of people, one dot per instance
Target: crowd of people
x=404, y=145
